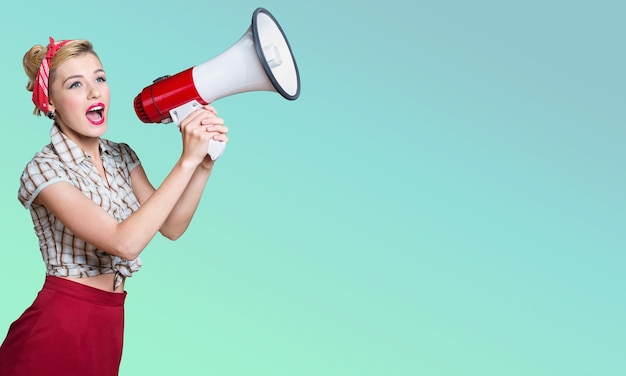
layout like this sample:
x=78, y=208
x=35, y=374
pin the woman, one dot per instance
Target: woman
x=94, y=212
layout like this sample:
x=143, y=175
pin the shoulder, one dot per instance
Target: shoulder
x=42, y=170
x=44, y=161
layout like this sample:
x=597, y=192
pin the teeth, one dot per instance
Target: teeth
x=97, y=108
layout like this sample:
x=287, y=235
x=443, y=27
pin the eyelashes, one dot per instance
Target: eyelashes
x=79, y=84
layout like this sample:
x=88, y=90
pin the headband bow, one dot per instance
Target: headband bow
x=40, y=89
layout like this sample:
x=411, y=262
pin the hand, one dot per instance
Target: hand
x=198, y=128
x=219, y=133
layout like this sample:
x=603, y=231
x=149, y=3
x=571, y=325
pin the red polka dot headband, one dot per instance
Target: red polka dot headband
x=40, y=89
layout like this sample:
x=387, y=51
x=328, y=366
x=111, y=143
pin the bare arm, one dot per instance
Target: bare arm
x=127, y=239
x=180, y=216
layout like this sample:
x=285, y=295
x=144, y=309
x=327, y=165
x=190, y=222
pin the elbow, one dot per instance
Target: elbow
x=126, y=250
x=128, y=254
x=172, y=235
x=172, y=232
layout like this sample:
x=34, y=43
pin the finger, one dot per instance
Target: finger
x=220, y=137
x=199, y=115
x=216, y=128
x=189, y=120
x=212, y=120
x=210, y=108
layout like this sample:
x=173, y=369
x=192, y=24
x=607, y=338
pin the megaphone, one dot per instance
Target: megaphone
x=261, y=60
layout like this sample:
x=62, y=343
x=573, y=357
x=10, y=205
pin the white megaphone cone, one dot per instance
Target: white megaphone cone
x=261, y=60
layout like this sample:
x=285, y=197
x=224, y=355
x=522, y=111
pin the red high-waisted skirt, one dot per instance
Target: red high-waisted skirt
x=70, y=329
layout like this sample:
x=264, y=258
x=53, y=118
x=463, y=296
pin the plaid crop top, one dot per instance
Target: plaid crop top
x=64, y=254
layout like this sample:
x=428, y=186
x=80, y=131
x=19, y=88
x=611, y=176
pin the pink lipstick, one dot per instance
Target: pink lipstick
x=95, y=114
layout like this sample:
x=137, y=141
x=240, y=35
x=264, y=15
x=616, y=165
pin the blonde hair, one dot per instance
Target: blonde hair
x=35, y=55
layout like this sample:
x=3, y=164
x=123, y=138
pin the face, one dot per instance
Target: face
x=79, y=96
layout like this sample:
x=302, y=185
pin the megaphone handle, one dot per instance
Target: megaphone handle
x=216, y=148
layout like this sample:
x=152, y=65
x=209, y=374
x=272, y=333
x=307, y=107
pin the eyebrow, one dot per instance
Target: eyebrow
x=99, y=70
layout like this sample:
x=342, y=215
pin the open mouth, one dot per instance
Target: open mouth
x=95, y=114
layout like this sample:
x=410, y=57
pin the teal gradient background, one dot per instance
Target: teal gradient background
x=446, y=197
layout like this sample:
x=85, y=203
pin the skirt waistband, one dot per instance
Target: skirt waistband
x=84, y=292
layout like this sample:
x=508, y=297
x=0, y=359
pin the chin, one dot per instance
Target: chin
x=102, y=128
x=99, y=129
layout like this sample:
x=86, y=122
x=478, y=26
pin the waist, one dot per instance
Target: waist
x=70, y=287
x=107, y=276
x=104, y=282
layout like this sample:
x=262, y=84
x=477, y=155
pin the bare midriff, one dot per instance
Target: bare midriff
x=104, y=282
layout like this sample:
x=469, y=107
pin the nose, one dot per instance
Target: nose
x=94, y=91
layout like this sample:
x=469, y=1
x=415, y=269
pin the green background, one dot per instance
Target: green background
x=446, y=197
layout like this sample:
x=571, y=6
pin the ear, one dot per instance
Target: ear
x=51, y=107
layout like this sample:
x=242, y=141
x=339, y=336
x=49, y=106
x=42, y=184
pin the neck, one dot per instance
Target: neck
x=89, y=144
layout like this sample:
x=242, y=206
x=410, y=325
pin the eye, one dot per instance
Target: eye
x=75, y=85
x=101, y=79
